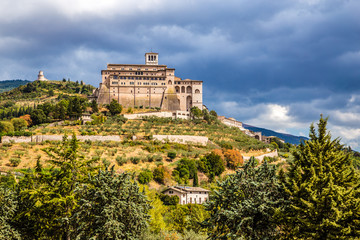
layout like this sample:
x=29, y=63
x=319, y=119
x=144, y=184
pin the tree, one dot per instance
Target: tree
x=94, y=106
x=245, y=203
x=212, y=165
x=196, y=112
x=37, y=116
x=112, y=207
x=6, y=127
x=19, y=123
x=114, y=107
x=48, y=198
x=8, y=206
x=159, y=174
x=233, y=158
x=145, y=176
x=323, y=190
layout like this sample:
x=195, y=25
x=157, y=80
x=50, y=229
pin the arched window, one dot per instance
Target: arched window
x=188, y=89
x=177, y=89
x=169, y=82
x=197, y=91
x=183, y=89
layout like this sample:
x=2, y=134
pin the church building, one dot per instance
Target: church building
x=148, y=85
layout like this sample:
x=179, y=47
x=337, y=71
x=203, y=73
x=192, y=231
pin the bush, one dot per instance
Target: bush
x=159, y=174
x=169, y=200
x=15, y=161
x=121, y=160
x=145, y=176
x=135, y=160
x=171, y=155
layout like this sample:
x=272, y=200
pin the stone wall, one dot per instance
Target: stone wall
x=41, y=138
x=149, y=114
x=183, y=139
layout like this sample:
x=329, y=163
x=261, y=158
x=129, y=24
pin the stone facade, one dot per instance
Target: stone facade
x=148, y=85
x=188, y=194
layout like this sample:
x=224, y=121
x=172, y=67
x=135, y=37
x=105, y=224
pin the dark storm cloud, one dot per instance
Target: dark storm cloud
x=287, y=61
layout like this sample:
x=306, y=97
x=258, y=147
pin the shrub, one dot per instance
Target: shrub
x=159, y=174
x=135, y=160
x=233, y=158
x=169, y=200
x=121, y=160
x=171, y=155
x=15, y=161
x=145, y=176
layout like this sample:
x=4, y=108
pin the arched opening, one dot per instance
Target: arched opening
x=188, y=103
x=188, y=89
x=197, y=91
x=169, y=82
x=257, y=137
x=177, y=89
x=183, y=89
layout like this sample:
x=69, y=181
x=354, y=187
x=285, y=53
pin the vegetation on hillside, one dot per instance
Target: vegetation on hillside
x=7, y=85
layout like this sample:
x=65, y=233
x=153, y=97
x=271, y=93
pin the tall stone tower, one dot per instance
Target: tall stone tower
x=41, y=76
x=151, y=58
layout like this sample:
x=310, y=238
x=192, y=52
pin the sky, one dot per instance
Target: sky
x=271, y=64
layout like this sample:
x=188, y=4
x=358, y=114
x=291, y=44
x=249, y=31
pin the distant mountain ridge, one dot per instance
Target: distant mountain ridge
x=7, y=85
x=286, y=137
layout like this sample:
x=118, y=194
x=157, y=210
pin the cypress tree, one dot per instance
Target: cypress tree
x=322, y=188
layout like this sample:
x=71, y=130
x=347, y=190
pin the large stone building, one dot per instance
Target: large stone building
x=148, y=85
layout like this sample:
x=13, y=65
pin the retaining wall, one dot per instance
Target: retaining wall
x=41, y=138
x=183, y=139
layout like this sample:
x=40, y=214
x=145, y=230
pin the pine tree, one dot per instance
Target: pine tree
x=244, y=204
x=8, y=206
x=322, y=188
x=112, y=207
x=47, y=199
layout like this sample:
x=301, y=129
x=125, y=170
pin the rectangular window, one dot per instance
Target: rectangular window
x=114, y=83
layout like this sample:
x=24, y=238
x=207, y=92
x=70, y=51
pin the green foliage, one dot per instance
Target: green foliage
x=212, y=165
x=196, y=112
x=187, y=218
x=114, y=107
x=145, y=176
x=322, y=188
x=171, y=155
x=6, y=127
x=38, y=116
x=8, y=205
x=112, y=207
x=186, y=169
x=169, y=200
x=48, y=198
x=244, y=204
x=15, y=161
x=19, y=123
x=94, y=106
x=159, y=174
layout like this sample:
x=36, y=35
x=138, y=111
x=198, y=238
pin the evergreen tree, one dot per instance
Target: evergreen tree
x=48, y=198
x=94, y=106
x=112, y=207
x=196, y=180
x=114, y=107
x=244, y=204
x=322, y=188
x=8, y=206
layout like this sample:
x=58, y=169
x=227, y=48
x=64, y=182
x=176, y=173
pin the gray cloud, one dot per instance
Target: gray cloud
x=276, y=64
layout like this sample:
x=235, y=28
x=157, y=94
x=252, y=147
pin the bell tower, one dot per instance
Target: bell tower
x=151, y=58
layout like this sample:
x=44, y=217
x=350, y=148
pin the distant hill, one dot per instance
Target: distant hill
x=7, y=85
x=286, y=137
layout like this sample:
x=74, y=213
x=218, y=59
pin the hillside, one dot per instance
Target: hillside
x=23, y=99
x=7, y=85
x=288, y=138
